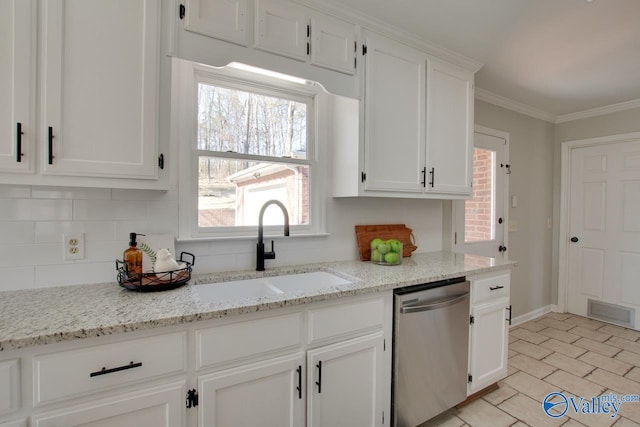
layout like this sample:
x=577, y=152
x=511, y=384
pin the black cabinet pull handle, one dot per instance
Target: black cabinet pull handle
x=509, y=319
x=319, y=382
x=424, y=177
x=105, y=371
x=495, y=288
x=433, y=177
x=299, y=388
x=51, y=156
x=19, y=134
x=502, y=248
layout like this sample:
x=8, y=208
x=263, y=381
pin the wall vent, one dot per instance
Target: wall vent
x=623, y=316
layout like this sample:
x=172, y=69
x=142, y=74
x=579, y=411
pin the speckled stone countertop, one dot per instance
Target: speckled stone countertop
x=42, y=316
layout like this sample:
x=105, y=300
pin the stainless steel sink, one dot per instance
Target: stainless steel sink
x=238, y=290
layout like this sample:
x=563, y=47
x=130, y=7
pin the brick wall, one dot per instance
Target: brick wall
x=478, y=209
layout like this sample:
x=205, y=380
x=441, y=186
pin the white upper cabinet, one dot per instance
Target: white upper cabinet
x=333, y=44
x=449, y=128
x=282, y=28
x=394, y=116
x=418, y=127
x=99, y=88
x=222, y=19
x=17, y=82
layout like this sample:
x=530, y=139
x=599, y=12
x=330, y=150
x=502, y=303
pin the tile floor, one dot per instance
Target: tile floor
x=558, y=352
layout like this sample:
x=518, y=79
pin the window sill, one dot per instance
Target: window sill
x=253, y=237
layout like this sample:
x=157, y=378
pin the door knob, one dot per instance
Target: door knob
x=502, y=248
x=574, y=239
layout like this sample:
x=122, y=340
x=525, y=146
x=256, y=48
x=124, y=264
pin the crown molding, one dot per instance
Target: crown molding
x=501, y=101
x=368, y=22
x=600, y=111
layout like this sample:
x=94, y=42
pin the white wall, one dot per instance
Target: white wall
x=531, y=158
x=32, y=220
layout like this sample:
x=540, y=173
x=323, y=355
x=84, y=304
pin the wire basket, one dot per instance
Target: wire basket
x=153, y=282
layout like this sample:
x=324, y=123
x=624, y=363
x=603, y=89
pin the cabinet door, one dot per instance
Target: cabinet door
x=157, y=407
x=17, y=72
x=333, y=44
x=9, y=386
x=394, y=116
x=449, y=128
x=17, y=423
x=345, y=383
x=269, y=393
x=489, y=344
x=100, y=88
x=222, y=19
x=281, y=27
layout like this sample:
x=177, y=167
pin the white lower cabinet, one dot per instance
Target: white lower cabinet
x=154, y=407
x=489, y=332
x=16, y=423
x=268, y=393
x=345, y=383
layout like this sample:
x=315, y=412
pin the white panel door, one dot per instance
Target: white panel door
x=345, y=383
x=333, y=44
x=222, y=19
x=269, y=393
x=394, y=116
x=17, y=82
x=155, y=407
x=281, y=27
x=449, y=128
x=604, y=227
x=100, y=62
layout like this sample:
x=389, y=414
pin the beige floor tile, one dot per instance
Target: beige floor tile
x=512, y=353
x=481, y=413
x=624, y=344
x=573, y=384
x=572, y=423
x=446, y=419
x=564, y=348
x=524, y=334
x=623, y=422
x=512, y=338
x=621, y=332
x=628, y=410
x=613, y=381
x=529, y=385
x=590, y=333
x=534, y=327
x=512, y=370
x=519, y=424
x=612, y=365
x=634, y=374
x=559, y=335
x=498, y=396
x=590, y=420
x=558, y=316
x=629, y=357
x=587, y=323
x=569, y=364
x=530, y=350
x=528, y=410
x=602, y=348
x=531, y=366
x=557, y=324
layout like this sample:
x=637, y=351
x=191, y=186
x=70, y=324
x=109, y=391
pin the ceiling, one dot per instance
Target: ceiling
x=556, y=56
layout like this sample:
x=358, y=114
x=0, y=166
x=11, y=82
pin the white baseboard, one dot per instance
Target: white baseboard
x=533, y=314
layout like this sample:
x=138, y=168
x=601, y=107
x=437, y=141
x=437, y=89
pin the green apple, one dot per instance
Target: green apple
x=384, y=247
x=374, y=243
x=391, y=258
x=396, y=245
x=376, y=256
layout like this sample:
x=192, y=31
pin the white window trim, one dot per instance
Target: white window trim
x=185, y=77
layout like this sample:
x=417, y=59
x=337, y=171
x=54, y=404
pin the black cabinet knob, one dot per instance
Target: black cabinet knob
x=502, y=248
x=574, y=239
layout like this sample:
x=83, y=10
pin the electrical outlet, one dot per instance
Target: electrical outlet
x=73, y=246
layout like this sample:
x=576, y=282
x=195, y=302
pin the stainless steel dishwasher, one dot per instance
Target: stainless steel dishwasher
x=430, y=350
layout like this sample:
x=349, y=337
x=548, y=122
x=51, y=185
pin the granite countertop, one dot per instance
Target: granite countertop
x=42, y=316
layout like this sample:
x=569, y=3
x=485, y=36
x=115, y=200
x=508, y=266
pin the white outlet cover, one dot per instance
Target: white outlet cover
x=70, y=251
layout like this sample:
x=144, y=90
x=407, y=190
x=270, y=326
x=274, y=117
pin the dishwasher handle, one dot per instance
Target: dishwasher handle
x=433, y=305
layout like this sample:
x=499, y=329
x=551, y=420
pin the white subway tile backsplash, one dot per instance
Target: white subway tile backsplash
x=196, y=248
x=74, y=274
x=71, y=193
x=35, y=210
x=123, y=228
x=29, y=255
x=102, y=210
x=216, y=263
x=95, y=231
x=15, y=191
x=148, y=195
x=18, y=278
x=17, y=232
